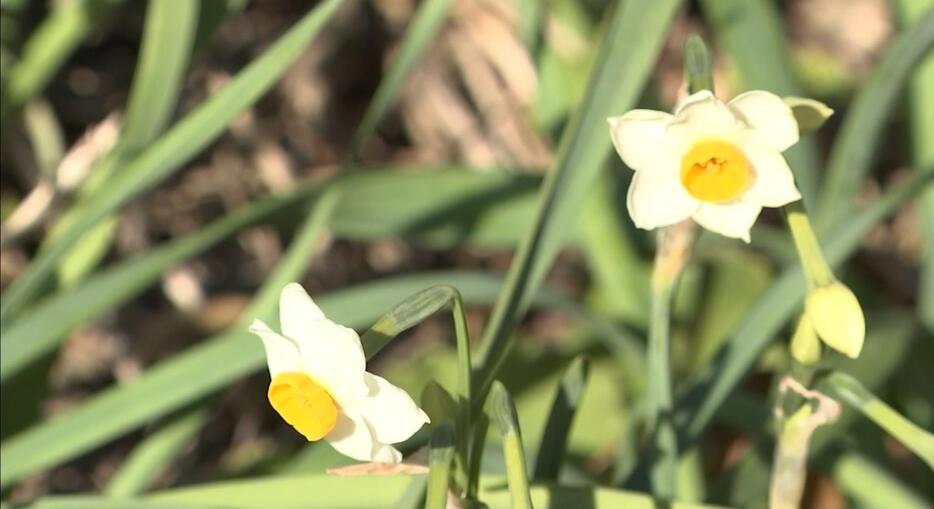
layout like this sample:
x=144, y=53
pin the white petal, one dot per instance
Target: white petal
x=352, y=437
x=657, y=198
x=639, y=135
x=390, y=411
x=768, y=114
x=296, y=309
x=731, y=219
x=702, y=115
x=774, y=183
x=281, y=354
x=333, y=355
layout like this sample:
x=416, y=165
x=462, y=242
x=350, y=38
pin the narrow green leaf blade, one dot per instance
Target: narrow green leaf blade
x=42, y=328
x=921, y=112
x=97, y=421
x=150, y=457
x=440, y=454
x=852, y=155
x=502, y=411
x=632, y=42
x=48, y=47
x=425, y=25
x=848, y=389
x=174, y=148
x=201, y=370
x=168, y=36
x=568, y=396
x=699, y=404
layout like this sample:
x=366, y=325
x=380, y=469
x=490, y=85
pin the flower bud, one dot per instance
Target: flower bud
x=837, y=317
x=805, y=345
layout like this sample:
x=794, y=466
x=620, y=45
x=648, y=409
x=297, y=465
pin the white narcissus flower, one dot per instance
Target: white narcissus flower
x=717, y=163
x=321, y=387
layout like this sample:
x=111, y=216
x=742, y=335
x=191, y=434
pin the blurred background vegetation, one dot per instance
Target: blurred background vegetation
x=159, y=160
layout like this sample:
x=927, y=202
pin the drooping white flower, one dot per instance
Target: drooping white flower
x=321, y=387
x=717, y=163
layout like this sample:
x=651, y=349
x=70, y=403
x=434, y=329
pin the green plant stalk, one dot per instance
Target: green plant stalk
x=817, y=271
x=789, y=466
x=848, y=389
x=503, y=412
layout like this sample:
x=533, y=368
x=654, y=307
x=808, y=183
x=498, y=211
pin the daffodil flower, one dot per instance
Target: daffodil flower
x=321, y=387
x=717, y=163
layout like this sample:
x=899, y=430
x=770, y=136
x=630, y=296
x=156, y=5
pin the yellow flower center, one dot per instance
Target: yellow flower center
x=304, y=404
x=715, y=171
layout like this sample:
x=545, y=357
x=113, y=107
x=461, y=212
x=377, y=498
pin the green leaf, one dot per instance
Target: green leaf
x=440, y=454
x=413, y=311
x=502, y=411
x=862, y=129
x=627, y=56
x=150, y=457
x=423, y=29
x=173, y=149
x=779, y=304
x=438, y=403
x=871, y=486
x=846, y=388
x=45, y=325
x=157, y=83
x=554, y=441
x=295, y=492
x=168, y=36
x=99, y=420
x=921, y=112
x=530, y=21
x=92, y=502
x=202, y=369
x=48, y=47
x=619, y=276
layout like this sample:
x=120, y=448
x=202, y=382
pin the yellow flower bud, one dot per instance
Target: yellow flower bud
x=805, y=345
x=836, y=315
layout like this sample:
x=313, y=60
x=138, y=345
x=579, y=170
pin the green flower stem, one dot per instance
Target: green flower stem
x=816, y=269
x=789, y=463
x=672, y=253
x=849, y=390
